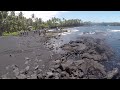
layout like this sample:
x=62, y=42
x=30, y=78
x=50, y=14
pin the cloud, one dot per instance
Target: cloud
x=45, y=15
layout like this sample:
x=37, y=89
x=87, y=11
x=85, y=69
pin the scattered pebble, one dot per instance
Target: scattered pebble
x=27, y=68
x=33, y=76
x=26, y=58
x=4, y=76
x=26, y=62
x=36, y=67
x=49, y=74
x=16, y=71
x=112, y=74
x=10, y=55
x=21, y=76
x=40, y=60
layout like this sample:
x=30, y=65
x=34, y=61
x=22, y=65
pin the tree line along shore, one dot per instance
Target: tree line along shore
x=12, y=24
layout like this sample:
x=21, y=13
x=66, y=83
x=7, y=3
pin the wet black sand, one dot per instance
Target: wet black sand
x=14, y=50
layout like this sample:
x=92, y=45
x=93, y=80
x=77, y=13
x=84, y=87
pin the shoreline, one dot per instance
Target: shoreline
x=59, y=65
x=82, y=56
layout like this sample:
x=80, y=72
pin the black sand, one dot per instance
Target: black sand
x=14, y=50
x=27, y=57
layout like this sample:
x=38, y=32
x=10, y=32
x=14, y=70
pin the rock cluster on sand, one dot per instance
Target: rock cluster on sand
x=81, y=60
x=88, y=47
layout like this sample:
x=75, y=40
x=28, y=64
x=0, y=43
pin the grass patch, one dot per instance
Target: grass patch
x=10, y=34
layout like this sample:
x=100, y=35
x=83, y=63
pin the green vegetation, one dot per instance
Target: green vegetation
x=10, y=34
x=11, y=24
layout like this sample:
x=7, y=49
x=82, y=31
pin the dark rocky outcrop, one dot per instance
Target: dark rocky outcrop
x=81, y=60
x=88, y=47
x=89, y=52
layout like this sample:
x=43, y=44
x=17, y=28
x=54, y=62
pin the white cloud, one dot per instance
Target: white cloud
x=45, y=15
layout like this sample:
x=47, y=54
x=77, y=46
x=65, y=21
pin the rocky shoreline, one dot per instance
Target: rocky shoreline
x=81, y=60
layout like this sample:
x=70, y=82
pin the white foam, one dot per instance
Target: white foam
x=92, y=33
x=87, y=33
x=69, y=32
x=51, y=30
x=115, y=31
x=65, y=33
x=75, y=30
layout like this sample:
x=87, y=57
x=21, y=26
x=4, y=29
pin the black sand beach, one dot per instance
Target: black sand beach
x=28, y=57
x=14, y=50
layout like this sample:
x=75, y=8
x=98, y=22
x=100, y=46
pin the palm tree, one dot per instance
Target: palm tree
x=20, y=15
x=12, y=13
x=3, y=16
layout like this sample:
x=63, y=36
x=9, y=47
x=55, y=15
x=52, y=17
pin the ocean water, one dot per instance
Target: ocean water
x=111, y=34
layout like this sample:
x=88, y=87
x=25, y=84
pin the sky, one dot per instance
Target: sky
x=93, y=16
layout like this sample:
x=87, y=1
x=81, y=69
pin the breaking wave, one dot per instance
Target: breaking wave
x=114, y=30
